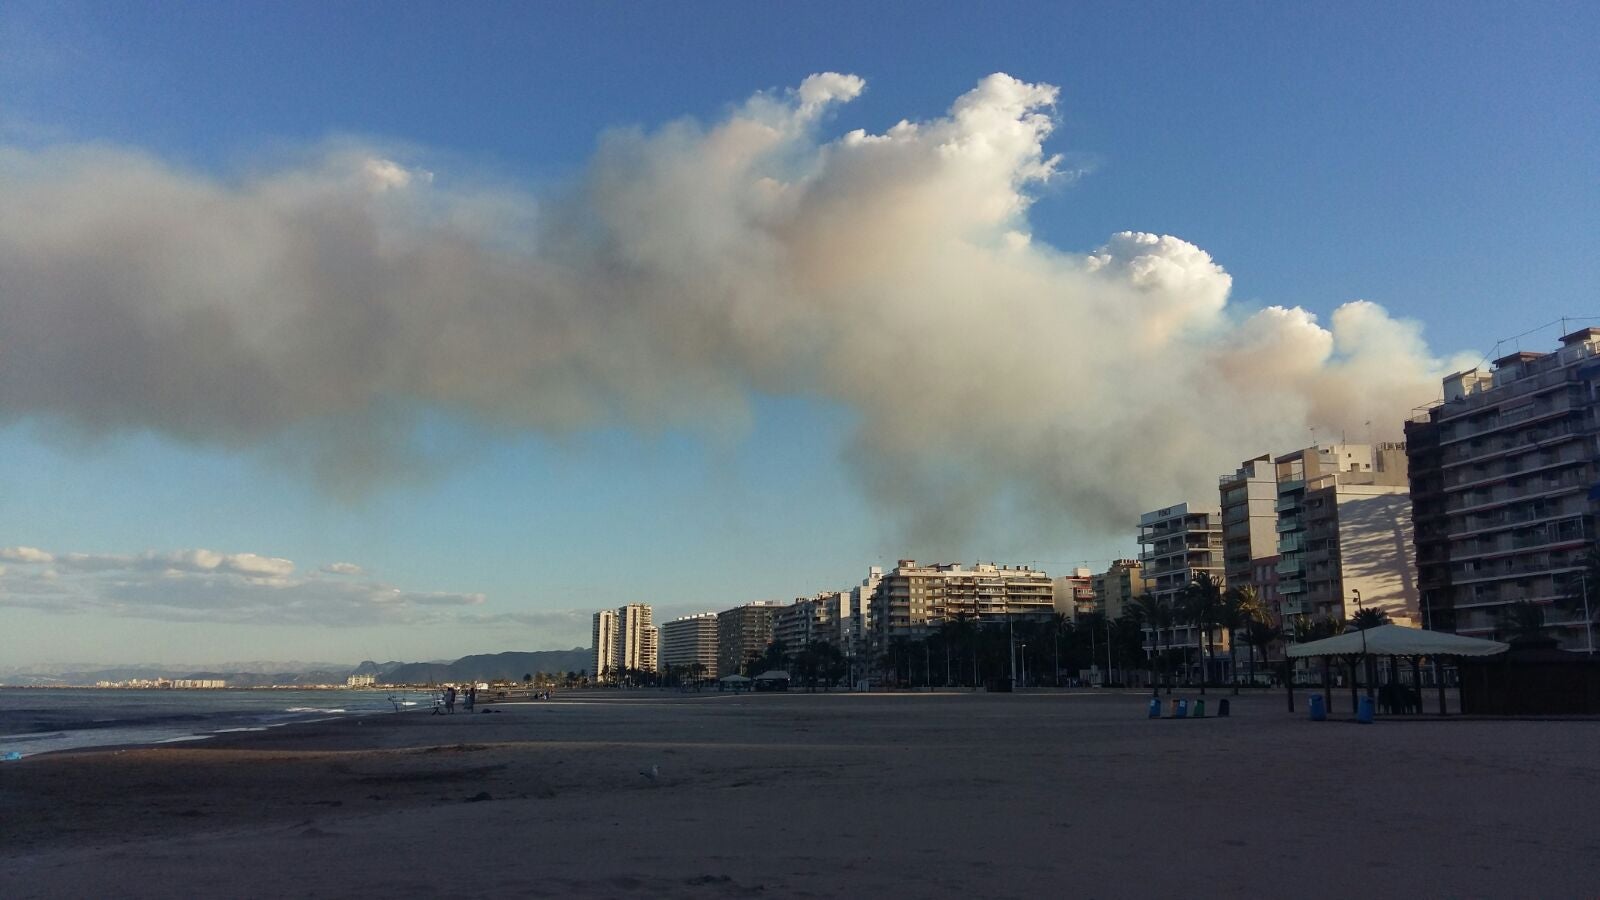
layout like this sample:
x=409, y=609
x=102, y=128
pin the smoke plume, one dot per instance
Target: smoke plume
x=322, y=303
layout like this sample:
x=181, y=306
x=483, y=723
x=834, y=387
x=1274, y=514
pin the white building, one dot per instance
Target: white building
x=690, y=640
x=604, y=641
x=1345, y=531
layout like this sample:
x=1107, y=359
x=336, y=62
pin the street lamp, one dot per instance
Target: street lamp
x=1363, y=630
x=1024, y=663
x=1588, y=620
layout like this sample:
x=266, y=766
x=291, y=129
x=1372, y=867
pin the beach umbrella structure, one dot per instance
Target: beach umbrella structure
x=1398, y=641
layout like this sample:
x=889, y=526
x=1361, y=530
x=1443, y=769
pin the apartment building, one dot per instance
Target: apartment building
x=744, y=632
x=913, y=600
x=1504, y=469
x=1118, y=587
x=688, y=640
x=636, y=638
x=603, y=638
x=1074, y=594
x=861, y=612
x=808, y=619
x=623, y=639
x=1176, y=543
x=1249, y=499
x=1345, y=531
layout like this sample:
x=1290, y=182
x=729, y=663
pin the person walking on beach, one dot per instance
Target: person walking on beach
x=450, y=700
x=472, y=697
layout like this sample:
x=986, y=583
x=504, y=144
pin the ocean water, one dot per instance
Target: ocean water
x=42, y=720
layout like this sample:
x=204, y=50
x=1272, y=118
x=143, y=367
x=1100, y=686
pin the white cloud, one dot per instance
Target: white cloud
x=311, y=308
x=25, y=555
x=207, y=586
x=343, y=568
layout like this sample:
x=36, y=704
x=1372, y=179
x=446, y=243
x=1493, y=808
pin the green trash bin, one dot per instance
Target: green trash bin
x=1199, y=709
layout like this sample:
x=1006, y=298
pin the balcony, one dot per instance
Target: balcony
x=1290, y=566
x=1291, y=543
x=1291, y=586
x=1290, y=524
x=1285, y=504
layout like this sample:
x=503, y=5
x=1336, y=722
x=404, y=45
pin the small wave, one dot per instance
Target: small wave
x=36, y=736
x=311, y=709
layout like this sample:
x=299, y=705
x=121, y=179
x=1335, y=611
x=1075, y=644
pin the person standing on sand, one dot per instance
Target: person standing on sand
x=472, y=697
x=450, y=700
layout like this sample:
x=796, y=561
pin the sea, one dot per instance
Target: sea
x=45, y=720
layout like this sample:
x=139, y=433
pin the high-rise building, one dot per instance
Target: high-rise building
x=913, y=601
x=1176, y=543
x=604, y=641
x=742, y=633
x=1344, y=531
x=1249, y=517
x=624, y=640
x=688, y=641
x=636, y=638
x=1117, y=587
x=1504, y=469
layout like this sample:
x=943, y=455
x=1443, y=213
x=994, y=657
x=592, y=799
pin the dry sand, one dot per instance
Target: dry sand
x=963, y=795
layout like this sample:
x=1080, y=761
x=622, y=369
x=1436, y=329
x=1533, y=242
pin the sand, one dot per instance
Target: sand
x=963, y=795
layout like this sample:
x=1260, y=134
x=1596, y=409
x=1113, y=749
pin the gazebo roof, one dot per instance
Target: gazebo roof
x=1397, y=640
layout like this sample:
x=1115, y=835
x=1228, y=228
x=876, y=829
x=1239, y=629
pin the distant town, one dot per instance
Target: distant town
x=1479, y=524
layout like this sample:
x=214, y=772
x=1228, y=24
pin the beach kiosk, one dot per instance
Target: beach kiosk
x=772, y=680
x=1355, y=647
x=733, y=682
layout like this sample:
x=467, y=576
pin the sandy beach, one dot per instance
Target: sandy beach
x=797, y=795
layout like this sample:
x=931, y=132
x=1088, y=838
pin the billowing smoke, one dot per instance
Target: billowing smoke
x=326, y=305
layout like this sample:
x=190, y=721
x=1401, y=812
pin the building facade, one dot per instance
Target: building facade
x=603, y=639
x=690, y=641
x=1118, y=587
x=912, y=600
x=1345, y=532
x=742, y=633
x=1177, y=543
x=1074, y=594
x=1249, y=500
x=636, y=638
x=1506, y=466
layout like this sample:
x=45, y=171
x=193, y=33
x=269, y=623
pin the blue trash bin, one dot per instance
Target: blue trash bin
x=1155, y=708
x=1319, y=710
x=1183, y=709
x=1364, y=711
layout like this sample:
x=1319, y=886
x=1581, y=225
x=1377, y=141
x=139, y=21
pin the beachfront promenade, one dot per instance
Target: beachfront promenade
x=881, y=795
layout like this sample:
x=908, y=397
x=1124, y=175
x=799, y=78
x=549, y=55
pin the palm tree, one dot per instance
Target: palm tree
x=1368, y=618
x=1150, y=612
x=1202, y=599
x=962, y=626
x=1260, y=635
x=1522, y=619
x=1231, y=617
x=1054, y=627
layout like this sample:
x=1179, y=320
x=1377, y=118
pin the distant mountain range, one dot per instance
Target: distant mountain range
x=479, y=667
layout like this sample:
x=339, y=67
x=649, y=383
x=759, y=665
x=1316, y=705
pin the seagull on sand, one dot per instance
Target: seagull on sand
x=653, y=773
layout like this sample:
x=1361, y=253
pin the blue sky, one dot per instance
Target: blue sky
x=1437, y=159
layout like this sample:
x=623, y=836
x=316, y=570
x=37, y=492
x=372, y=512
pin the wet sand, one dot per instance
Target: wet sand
x=970, y=795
